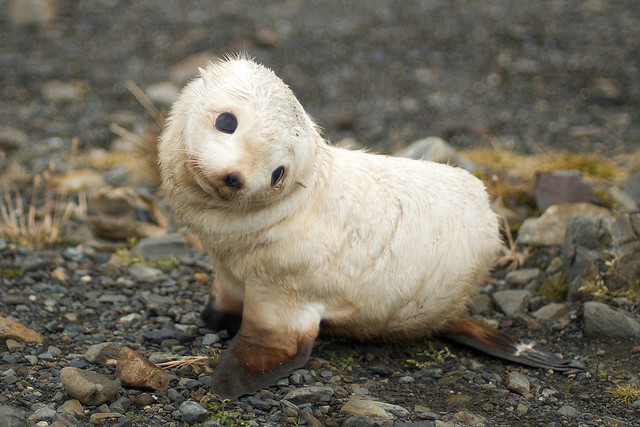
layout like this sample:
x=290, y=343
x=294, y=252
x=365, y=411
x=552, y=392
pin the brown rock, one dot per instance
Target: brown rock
x=135, y=370
x=561, y=187
x=13, y=330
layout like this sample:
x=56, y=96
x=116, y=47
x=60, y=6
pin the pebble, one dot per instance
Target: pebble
x=58, y=91
x=522, y=277
x=44, y=414
x=549, y=312
x=568, y=411
x=308, y=394
x=73, y=407
x=511, y=301
x=169, y=246
x=90, y=388
x=192, y=412
x=371, y=408
x=518, y=383
x=145, y=273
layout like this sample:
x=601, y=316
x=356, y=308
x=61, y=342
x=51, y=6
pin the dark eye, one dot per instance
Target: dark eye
x=277, y=175
x=227, y=123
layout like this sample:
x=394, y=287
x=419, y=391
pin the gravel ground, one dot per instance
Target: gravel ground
x=532, y=77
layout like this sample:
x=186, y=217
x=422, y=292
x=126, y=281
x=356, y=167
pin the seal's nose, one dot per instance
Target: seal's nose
x=233, y=180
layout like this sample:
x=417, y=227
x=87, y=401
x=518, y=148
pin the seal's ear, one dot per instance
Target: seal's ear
x=203, y=76
x=266, y=348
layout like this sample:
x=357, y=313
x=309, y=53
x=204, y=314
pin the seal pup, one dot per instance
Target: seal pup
x=304, y=236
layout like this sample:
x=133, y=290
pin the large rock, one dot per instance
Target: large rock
x=602, y=321
x=562, y=187
x=603, y=250
x=549, y=229
x=100, y=353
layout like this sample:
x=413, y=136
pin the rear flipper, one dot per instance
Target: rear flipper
x=489, y=340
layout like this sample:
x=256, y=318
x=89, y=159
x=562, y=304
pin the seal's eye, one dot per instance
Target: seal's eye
x=227, y=123
x=277, y=175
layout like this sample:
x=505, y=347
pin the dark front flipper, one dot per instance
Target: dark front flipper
x=246, y=367
x=218, y=319
x=489, y=340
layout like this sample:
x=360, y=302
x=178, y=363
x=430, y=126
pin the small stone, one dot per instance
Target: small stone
x=13, y=345
x=372, y=408
x=100, y=353
x=59, y=91
x=73, y=407
x=568, y=411
x=90, y=388
x=435, y=149
x=43, y=414
x=602, y=321
x=134, y=370
x=13, y=330
x=209, y=339
x=145, y=273
x=308, y=394
x=522, y=277
x=511, y=301
x=169, y=246
x=59, y=273
x=100, y=418
x=359, y=421
x=192, y=412
x=481, y=304
x=549, y=312
x=518, y=383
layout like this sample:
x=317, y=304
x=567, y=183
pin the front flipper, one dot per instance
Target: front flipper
x=273, y=341
x=489, y=340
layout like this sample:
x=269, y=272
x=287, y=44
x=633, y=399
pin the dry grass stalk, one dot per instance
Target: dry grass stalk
x=35, y=223
x=184, y=361
x=511, y=258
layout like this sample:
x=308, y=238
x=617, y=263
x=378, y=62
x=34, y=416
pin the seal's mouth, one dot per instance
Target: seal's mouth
x=208, y=185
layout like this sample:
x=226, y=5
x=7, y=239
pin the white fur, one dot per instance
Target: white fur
x=379, y=247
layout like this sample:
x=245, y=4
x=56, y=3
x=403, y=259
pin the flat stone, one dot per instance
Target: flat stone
x=15, y=331
x=549, y=312
x=517, y=383
x=371, y=408
x=481, y=304
x=435, y=149
x=145, y=273
x=512, y=301
x=568, y=411
x=43, y=414
x=12, y=417
x=73, y=407
x=135, y=370
x=602, y=321
x=550, y=228
x=90, y=388
x=308, y=394
x=522, y=277
x=169, y=246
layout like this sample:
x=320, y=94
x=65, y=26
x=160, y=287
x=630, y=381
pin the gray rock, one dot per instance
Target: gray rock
x=435, y=149
x=549, y=229
x=602, y=321
x=44, y=413
x=145, y=273
x=607, y=249
x=632, y=186
x=121, y=405
x=518, y=383
x=58, y=91
x=511, y=301
x=550, y=312
x=358, y=406
x=623, y=199
x=12, y=417
x=209, y=339
x=308, y=394
x=481, y=304
x=11, y=139
x=192, y=412
x=522, y=277
x=359, y=421
x=568, y=411
x=172, y=245
x=90, y=388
